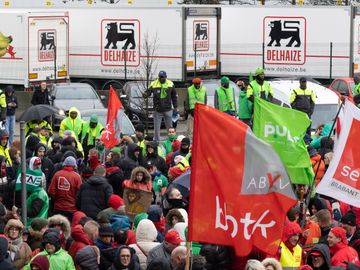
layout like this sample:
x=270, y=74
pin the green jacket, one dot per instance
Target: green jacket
x=159, y=182
x=42, y=195
x=60, y=260
x=316, y=142
x=244, y=108
x=167, y=144
x=224, y=99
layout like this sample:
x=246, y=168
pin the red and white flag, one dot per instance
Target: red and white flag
x=114, y=105
x=342, y=179
x=240, y=190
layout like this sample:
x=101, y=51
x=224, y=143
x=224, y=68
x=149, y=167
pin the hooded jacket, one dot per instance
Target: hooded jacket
x=146, y=234
x=173, y=213
x=155, y=159
x=272, y=262
x=115, y=177
x=93, y=196
x=130, y=161
x=63, y=189
x=71, y=124
x=20, y=252
x=342, y=253
x=86, y=258
x=80, y=240
x=324, y=250
x=63, y=221
x=145, y=184
x=117, y=265
x=59, y=260
x=47, y=165
x=5, y=264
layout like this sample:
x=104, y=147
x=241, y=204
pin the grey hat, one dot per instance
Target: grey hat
x=70, y=161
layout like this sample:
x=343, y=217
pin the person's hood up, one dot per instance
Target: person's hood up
x=52, y=236
x=56, y=139
x=146, y=231
x=14, y=223
x=76, y=218
x=171, y=214
x=96, y=180
x=132, y=147
x=63, y=222
x=154, y=212
x=147, y=176
x=184, y=214
x=38, y=146
x=324, y=250
x=273, y=262
x=31, y=142
x=86, y=258
x=3, y=248
x=79, y=235
x=9, y=89
x=74, y=109
x=139, y=217
x=180, y=228
x=153, y=145
x=117, y=262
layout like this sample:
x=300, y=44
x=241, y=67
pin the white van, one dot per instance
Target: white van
x=326, y=104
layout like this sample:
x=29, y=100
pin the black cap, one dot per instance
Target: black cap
x=185, y=141
x=140, y=127
x=349, y=218
x=303, y=79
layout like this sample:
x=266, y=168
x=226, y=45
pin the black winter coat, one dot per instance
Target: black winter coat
x=93, y=196
x=5, y=263
x=40, y=97
x=130, y=161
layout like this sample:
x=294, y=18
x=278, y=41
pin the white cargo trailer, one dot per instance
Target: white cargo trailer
x=33, y=47
x=106, y=44
x=290, y=41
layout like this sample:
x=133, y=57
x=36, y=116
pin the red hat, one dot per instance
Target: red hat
x=196, y=81
x=115, y=201
x=316, y=253
x=41, y=261
x=173, y=237
x=339, y=233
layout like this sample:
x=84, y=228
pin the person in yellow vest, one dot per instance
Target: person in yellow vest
x=72, y=122
x=140, y=137
x=91, y=130
x=225, y=97
x=165, y=102
x=196, y=93
x=31, y=125
x=2, y=107
x=259, y=87
x=303, y=98
x=290, y=252
x=45, y=135
x=4, y=150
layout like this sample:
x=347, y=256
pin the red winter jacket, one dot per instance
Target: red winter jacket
x=80, y=240
x=63, y=189
x=342, y=253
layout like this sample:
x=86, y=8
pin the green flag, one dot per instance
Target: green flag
x=284, y=129
x=34, y=180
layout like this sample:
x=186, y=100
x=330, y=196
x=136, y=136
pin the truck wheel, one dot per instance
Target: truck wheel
x=117, y=85
x=92, y=83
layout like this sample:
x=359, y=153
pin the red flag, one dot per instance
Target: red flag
x=114, y=105
x=240, y=190
x=342, y=179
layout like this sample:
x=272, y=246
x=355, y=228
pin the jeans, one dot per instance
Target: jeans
x=10, y=125
x=157, y=122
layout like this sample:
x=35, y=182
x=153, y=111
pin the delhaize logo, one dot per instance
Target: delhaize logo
x=47, y=40
x=201, y=35
x=285, y=40
x=5, y=46
x=120, y=42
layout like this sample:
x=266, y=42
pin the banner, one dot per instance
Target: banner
x=114, y=105
x=342, y=179
x=34, y=180
x=240, y=190
x=136, y=202
x=284, y=129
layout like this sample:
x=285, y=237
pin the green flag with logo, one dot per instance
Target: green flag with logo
x=34, y=180
x=284, y=129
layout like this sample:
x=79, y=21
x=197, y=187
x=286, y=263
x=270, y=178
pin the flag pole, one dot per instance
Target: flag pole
x=322, y=156
x=187, y=257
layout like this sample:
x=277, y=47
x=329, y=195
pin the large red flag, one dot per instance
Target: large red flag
x=240, y=190
x=342, y=179
x=114, y=105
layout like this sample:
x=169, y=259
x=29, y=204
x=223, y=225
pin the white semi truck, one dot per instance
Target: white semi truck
x=33, y=47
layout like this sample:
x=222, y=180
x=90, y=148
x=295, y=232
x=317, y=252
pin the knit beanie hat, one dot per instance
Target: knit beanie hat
x=106, y=231
x=41, y=261
x=39, y=223
x=93, y=118
x=339, y=233
x=115, y=201
x=69, y=161
x=349, y=218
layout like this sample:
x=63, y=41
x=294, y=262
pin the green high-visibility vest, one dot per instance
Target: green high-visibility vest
x=225, y=99
x=93, y=132
x=73, y=124
x=196, y=96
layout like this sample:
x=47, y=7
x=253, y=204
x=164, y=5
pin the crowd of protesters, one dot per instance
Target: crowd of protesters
x=77, y=217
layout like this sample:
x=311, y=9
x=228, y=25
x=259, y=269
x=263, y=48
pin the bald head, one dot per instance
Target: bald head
x=176, y=255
